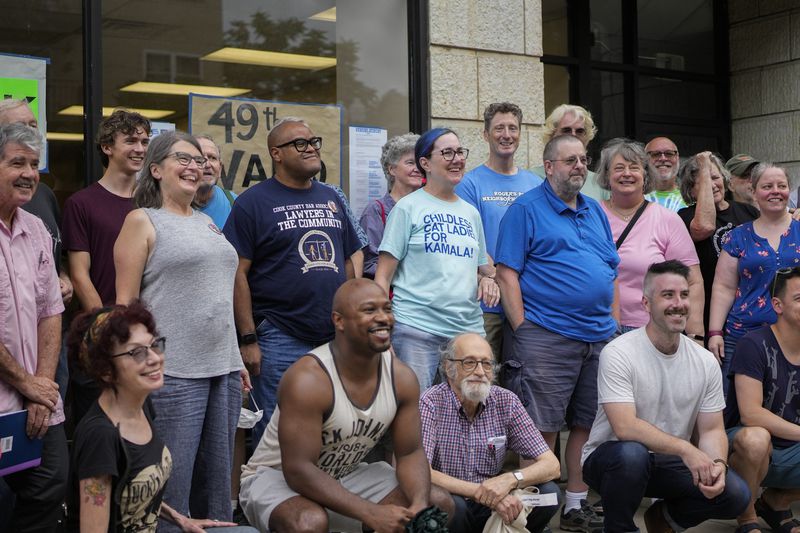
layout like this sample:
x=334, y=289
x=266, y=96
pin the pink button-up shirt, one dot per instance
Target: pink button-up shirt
x=29, y=292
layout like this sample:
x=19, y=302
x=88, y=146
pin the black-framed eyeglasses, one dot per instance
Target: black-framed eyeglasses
x=449, y=154
x=585, y=160
x=662, y=153
x=185, y=159
x=469, y=365
x=301, y=145
x=139, y=353
x=786, y=272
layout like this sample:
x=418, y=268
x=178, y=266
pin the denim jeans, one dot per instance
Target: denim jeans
x=623, y=472
x=419, y=350
x=730, y=348
x=196, y=419
x=471, y=516
x=278, y=351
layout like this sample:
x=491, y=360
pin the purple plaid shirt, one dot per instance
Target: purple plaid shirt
x=462, y=448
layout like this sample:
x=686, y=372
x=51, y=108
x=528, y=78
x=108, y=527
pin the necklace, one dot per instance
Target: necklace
x=626, y=216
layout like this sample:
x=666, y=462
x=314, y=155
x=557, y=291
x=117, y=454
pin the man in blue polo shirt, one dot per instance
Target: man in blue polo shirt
x=494, y=186
x=556, y=266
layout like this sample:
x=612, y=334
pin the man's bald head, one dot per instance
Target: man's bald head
x=274, y=138
x=355, y=290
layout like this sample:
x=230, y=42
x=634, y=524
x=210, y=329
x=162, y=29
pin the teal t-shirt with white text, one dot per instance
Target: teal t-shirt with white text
x=440, y=246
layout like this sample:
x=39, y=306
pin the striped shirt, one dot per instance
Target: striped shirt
x=474, y=450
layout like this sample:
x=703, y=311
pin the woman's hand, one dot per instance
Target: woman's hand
x=716, y=345
x=488, y=291
x=199, y=525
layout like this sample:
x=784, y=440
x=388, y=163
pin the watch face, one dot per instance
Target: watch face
x=518, y=475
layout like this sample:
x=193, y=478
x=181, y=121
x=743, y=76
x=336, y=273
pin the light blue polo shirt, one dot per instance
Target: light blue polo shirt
x=566, y=260
x=491, y=193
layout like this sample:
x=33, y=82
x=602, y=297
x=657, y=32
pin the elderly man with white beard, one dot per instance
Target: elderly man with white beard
x=468, y=424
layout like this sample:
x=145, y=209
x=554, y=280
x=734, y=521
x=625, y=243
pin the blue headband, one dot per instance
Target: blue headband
x=425, y=144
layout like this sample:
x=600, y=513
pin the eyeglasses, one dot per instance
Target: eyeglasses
x=302, y=144
x=469, y=365
x=669, y=154
x=449, y=154
x=787, y=272
x=572, y=161
x=139, y=353
x=185, y=159
x=579, y=132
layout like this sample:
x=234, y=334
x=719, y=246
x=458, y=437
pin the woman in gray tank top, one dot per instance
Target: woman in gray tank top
x=178, y=262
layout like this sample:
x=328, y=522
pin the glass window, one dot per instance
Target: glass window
x=347, y=52
x=555, y=36
x=556, y=87
x=677, y=35
x=606, y=28
x=677, y=98
x=607, y=107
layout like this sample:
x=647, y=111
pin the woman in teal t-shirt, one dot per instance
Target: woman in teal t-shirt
x=433, y=254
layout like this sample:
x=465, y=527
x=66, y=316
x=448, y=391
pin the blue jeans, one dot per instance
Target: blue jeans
x=196, y=419
x=623, y=472
x=471, y=516
x=730, y=348
x=278, y=351
x=419, y=350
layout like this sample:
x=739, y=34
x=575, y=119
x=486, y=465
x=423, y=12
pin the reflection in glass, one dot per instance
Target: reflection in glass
x=607, y=107
x=556, y=87
x=606, y=28
x=677, y=98
x=677, y=35
x=555, y=36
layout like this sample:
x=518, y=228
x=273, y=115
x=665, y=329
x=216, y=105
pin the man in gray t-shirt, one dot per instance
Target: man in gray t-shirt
x=655, y=389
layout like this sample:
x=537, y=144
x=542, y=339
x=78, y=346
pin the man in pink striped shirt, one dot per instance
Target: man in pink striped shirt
x=30, y=332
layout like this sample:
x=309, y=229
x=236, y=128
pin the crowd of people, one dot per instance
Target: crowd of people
x=651, y=307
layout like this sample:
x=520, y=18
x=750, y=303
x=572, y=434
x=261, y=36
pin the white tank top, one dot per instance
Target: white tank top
x=349, y=432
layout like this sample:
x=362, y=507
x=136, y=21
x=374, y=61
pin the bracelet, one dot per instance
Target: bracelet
x=714, y=333
x=723, y=463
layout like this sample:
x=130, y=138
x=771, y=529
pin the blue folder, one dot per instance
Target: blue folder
x=17, y=451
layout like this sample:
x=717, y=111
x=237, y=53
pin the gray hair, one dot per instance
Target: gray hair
x=553, y=145
x=148, y=188
x=632, y=152
x=278, y=125
x=448, y=351
x=209, y=138
x=551, y=122
x=8, y=104
x=687, y=177
x=759, y=170
x=393, y=150
x=21, y=134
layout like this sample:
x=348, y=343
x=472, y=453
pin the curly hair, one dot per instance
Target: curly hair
x=94, y=334
x=551, y=122
x=393, y=150
x=120, y=121
x=500, y=107
x=687, y=176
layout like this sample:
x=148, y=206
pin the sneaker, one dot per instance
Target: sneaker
x=654, y=519
x=597, y=507
x=583, y=519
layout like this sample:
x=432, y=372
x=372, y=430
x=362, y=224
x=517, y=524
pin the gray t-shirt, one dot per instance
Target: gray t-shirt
x=667, y=390
x=188, y=285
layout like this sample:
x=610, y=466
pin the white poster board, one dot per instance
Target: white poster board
x=367, y=181
x=25, y=77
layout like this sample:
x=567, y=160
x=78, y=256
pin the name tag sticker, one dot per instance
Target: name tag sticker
x=539, y=500
x=496, y=441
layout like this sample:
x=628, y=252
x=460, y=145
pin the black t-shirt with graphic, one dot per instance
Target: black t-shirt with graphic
x=759, y=356
x=138, y=477
x=708, y=249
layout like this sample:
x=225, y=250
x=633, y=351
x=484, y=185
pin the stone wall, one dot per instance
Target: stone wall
x=485, y=51
x=765, y=80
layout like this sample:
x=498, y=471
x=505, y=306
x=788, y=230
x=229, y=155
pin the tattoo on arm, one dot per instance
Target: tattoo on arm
x=95, y=492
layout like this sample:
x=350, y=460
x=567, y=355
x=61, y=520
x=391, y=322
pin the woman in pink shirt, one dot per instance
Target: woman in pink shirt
x=655, y=235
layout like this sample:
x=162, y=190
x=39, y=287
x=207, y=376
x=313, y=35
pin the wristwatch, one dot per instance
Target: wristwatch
x=248, y=338
x=519, y=476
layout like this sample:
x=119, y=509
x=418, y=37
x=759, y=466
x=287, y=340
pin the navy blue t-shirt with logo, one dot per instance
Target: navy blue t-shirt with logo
x=298, y=241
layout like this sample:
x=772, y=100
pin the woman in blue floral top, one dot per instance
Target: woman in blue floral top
x=751, y=254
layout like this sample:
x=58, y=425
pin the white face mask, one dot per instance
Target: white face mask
x=247, y=418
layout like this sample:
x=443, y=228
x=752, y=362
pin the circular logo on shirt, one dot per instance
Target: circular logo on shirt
x=316, y=250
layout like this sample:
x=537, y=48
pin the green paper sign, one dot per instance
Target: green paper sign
x=19, y=88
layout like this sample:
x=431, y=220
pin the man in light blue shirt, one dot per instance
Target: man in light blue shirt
x=210, y=198
x=494, y=186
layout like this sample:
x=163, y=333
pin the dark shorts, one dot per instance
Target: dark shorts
x=555, y=377
x=784, y=465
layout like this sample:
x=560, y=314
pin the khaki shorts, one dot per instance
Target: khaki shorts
x=263, y=491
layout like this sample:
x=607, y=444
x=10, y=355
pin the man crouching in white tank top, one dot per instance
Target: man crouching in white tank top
x=334, y=404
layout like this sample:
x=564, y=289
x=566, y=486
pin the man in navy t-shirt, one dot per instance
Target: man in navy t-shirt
x=763, y=410
x=294, y=242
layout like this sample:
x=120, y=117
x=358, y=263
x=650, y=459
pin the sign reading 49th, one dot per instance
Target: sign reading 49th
x=240, y=127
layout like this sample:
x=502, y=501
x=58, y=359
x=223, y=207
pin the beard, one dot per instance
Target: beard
x=474, y=392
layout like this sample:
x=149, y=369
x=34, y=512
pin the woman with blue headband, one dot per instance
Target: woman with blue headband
x=433, y=255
